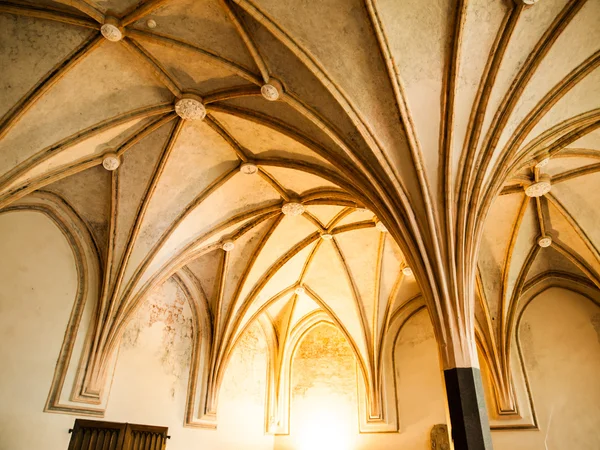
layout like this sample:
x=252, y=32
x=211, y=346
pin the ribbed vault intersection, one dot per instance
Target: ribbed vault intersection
x=286, y=162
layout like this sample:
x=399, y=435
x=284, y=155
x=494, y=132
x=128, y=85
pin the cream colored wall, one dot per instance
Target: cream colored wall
x=324, y=373
x=419, y=387
x=151, y=378
x=324, y=404
x=560, y=340
x=559, y=334
x=38, y=283
x=38, y=287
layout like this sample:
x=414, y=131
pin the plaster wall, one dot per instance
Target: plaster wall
x=39, y=282
x=559, y=336
x=151, y=378
x=324, y=393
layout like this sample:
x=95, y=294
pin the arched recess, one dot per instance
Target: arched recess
x=388, y=361
x=281, y=354
x=322, y=380
x=202, y=392
x=524, y=415
x=414, y=425
x=64, y=395
x=556, y=341
x=38, y=285
x=65, y=391
x=280, y=423
x=199, y=412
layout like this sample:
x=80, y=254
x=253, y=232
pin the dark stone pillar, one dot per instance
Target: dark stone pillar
x=468, y=413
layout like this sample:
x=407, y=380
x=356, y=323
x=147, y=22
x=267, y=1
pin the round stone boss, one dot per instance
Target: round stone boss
x=292, y=209
x=111, y=161
x=190, y=107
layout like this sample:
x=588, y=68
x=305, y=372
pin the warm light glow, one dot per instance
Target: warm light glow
x=325, y=422
x=327, y=428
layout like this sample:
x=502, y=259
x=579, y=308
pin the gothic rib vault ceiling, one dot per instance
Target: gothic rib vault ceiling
x=428, y=115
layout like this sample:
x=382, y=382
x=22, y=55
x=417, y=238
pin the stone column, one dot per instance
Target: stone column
x=467, y=409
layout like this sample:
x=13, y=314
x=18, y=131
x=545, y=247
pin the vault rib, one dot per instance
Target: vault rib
x=557, y=138
x=172, y=42
x=248, y=42
x=47, y=81
x=358, y=304
x=376, y=299
x=540, y=216
x=146, y=131
x=114, y=314
x=105, y=305
x=400, y=98
x=223, y=270
x=571, y=128
x=203, y=338
x=228, y=94
x=316, y=222
x=229, y=314
x=85, y=8
x=339, y=216
x=274, y=184
x=573, y=222
x=142, y=10
x=387, y=316
x=512, y=305
x=86, y=133
x=576, y=173
x=571, y=137
x=502, y=307
x=240, y=152
x=501, y=385
x=38, y=12
x=33, y=184
x=579, y=261
x=157, y=69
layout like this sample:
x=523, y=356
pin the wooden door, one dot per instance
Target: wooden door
x=143, y=437
x=97, y=435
